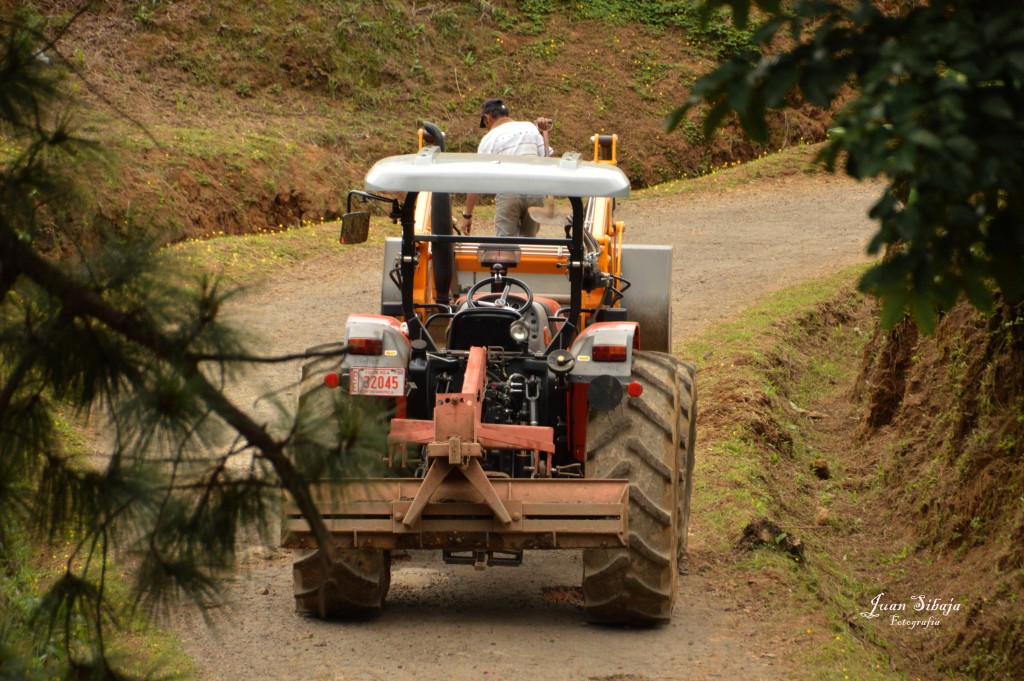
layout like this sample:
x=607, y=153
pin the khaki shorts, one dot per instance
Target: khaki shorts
x=512, y=217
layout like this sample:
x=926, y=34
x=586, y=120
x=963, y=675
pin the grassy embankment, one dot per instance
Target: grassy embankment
x=249, y=117
x=768, y=379
x=892, y=457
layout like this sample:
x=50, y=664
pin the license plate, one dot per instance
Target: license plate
x=380, y=382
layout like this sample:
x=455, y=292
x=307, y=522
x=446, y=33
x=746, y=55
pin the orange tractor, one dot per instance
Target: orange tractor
x=526, y=387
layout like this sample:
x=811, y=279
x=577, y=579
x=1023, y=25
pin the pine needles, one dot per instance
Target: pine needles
x=99, y=331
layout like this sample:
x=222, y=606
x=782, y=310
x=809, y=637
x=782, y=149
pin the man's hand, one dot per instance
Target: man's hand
x=467, y=224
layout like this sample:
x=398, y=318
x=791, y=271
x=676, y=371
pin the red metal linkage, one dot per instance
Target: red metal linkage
x=456, y=438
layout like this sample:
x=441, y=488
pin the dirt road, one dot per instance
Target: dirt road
x=731, y=248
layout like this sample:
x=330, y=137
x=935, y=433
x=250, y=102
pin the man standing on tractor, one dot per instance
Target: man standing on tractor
x=510, y=138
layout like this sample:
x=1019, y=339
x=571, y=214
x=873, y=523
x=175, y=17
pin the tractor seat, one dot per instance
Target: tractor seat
x=536, y=318
x=482, y=327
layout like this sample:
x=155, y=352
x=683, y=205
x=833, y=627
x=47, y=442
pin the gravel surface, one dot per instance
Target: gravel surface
x=731, y=247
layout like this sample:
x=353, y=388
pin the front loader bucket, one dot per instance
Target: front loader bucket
x=546, y=514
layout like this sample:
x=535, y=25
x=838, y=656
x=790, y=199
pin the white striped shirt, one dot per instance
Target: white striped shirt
x=515, y=138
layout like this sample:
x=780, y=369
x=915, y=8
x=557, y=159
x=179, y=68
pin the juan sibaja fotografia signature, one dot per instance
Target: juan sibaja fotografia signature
x=909, y=613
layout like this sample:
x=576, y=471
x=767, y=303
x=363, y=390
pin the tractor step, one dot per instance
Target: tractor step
x=484, y=559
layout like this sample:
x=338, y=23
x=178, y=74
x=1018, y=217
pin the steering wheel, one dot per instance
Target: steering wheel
x=501, y=299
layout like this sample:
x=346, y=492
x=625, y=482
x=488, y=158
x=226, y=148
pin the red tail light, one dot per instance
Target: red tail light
x=365, y=346
x=609, y=353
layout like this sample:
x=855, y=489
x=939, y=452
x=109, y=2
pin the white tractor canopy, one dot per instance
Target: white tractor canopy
x=432, y=170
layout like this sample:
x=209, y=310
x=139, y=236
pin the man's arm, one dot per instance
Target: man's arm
x=544, y=127
x=467, y=215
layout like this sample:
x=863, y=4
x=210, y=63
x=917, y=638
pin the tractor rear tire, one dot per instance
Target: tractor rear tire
x=649, y=440
x=687, y=452
x=354, y=587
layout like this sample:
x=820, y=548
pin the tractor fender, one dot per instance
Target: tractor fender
x=395, y=345
x=601, y=338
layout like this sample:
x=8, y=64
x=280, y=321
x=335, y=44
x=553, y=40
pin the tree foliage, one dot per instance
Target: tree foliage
x=937, y=108
x=115, y=334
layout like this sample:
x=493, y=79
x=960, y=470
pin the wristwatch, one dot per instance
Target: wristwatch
x=468, y=216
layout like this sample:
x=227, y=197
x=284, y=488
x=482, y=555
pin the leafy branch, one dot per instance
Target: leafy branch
x=936, y=106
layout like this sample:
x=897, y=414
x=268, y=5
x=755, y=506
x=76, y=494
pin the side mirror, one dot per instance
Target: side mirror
x=355, y=227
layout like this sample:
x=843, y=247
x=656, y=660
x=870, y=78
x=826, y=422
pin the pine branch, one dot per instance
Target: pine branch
x=93, y=334
x=273, y=451
x=14, y=381
x=341, y=351
x=82, y=301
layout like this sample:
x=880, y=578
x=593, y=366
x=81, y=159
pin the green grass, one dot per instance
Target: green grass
x=822, y=651
x=743, y=473
x=727, y=492
x=31, y=563
x=140, y=648
x=733, y=486
x=244, y=259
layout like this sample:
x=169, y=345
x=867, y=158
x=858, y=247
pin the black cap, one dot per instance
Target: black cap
x=492, y=106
